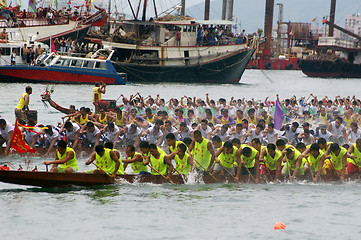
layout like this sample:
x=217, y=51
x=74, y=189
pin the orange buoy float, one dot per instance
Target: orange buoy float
x=279, y=226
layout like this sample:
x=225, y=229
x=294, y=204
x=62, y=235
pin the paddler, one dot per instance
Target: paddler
x=272, y=159
x=294, y=163
x=226, y=158
x=316, y=158
x=337, y=162
x=160, y=163
x=106, y=160
x=203, y=152
x=66, y=157
x=355, y=164
x=22, y=109
x=136, y=161
x=248, y=162
x=183, y=160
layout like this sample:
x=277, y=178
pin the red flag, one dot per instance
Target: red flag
x=313, y=20
x=18, y=143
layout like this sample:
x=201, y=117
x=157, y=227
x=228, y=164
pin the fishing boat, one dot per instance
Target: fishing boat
x=35, y=25
x=335, y=58
x=48, y=179
x=54, y=68
x=149, y=51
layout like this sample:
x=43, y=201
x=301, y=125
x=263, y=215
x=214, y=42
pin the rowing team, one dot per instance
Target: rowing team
x=230, y=158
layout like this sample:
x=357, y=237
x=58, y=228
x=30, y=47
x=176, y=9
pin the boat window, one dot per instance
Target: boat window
x=47, y=61
x=66, y=62
x=59, y=62
x=185, y=29
x=76, y=63
x=17, y=51
x=194, y=29
x=189, y=28
x=101, y=65
x=5, y=51
x=88, y=64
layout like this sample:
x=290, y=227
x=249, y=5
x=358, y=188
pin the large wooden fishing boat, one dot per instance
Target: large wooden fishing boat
x=48, y=179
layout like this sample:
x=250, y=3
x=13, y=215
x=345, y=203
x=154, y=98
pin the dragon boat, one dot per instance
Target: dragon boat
x=49, y=179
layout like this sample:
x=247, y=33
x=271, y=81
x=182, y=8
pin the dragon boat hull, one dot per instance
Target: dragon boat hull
x=48, y=179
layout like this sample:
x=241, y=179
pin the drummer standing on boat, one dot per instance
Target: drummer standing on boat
x=97, y=95
x=22, y=109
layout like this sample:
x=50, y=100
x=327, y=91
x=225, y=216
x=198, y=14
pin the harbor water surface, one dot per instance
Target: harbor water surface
x=190, y=211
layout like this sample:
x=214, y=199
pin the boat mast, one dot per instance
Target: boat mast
x=268, y=21
x=131, y=8
x=332, y=18
x=144, y=10
x=279, y=22
x=224, y=9
x=207, y=5
x=183, y=10
x=230, y=10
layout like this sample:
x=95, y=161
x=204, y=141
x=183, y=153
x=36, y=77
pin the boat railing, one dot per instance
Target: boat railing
x=336, y=42
x=33, y=22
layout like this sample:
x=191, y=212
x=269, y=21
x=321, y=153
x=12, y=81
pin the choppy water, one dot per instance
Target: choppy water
x=146, y=211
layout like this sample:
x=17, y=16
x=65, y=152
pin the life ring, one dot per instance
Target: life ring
x=268, y=66
x=289, y=66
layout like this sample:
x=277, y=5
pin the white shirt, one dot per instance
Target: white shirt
x=53, y=136
x=71, y=135
x=91, y=135
x=111, y=135
x=152, y=136
x=205, y=132
x=5, y=132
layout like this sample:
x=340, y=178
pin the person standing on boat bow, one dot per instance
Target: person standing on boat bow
x=97, y=96
x=22, y=109
x=66, y=157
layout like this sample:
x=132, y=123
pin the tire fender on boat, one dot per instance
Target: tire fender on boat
x=199, y=69
x=268, y=66
x=289, y=66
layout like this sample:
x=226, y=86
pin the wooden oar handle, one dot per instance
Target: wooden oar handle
x=105, y=172
x=170, y=181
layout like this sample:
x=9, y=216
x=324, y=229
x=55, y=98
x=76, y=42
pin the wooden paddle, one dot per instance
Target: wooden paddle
x=170, y=181
x=106, y=172
x=228, y=171
x=215, y=179
x=249, y=172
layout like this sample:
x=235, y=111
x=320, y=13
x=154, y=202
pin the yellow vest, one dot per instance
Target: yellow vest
x=357, y=154
x=21, y=104
x=96, y=91
x=70, y=163
x=250, y=161
x=224, y=120
x=254, y=121
x=238, y=120
x=182, y=164
x=158, y=164
x=337, y=160
x=270, y=162
x=82, y=120
x=314, y=162
x=348, y=121
x=292, y=162
x=228, y=160
x=106, y=162
x=202, y=154
x=119, y=122
x=137, y=166
x=104, y=120
x=151, y=120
